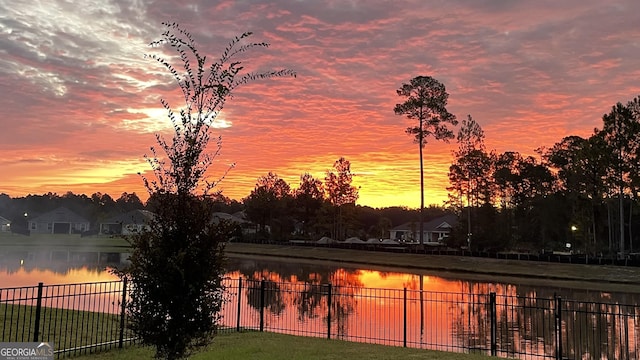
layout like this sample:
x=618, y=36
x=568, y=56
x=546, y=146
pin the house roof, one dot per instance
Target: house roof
x=131, y=217
x=59, y=215
x=225, y=216
x=439, y=223
x=4, y=221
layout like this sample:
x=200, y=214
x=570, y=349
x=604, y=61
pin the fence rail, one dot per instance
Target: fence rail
x=74, y=318
x=88, y=317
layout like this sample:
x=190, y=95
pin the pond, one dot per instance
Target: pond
x=444, y=311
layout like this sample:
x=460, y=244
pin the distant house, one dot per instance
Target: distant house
x=127, y=223
x=217, y=216
x=435, y=230
x=237, y=219
x=59, y=221
x=5, y=224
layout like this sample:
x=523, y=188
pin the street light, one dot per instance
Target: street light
x=573, y=236
x=26, y=221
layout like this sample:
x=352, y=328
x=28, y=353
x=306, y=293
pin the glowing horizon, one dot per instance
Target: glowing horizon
x=81, y=104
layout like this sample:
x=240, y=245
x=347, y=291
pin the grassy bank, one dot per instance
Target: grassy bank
x=64, y=329
x=270, y=346
x=73, y=242
x=597, y=277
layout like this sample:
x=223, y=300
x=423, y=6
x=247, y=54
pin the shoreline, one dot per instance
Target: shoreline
x=597, y=277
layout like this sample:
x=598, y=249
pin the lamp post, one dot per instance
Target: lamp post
x=573, y=233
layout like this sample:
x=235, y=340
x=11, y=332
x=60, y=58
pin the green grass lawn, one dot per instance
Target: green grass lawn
x=270, y=346
x=66, y=329
x=62, y=328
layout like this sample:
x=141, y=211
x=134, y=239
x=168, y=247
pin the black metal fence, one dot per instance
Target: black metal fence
x=505, y=325
x=82, y=318
x=74, y=318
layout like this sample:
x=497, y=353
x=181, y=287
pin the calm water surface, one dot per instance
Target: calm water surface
x=439, y=310
x=28, y=268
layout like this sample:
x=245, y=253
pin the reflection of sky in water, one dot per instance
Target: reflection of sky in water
x=30, y=277
x=30, y=268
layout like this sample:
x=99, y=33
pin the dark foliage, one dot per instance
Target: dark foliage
x=176, y=264
x=176, y=272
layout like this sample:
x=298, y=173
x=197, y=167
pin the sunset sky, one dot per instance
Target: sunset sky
x=80, y=104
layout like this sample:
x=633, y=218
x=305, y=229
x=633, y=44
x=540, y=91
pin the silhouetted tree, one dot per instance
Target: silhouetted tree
x=469, y=174
x=176, y=265
x=620, y=130
x=269, y=204
x=581, y=167
x=309, y=197
x=341, y=194
x=426, y=101
x=129, y=202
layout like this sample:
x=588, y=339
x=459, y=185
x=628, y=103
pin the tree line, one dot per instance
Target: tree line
x=582, y=194
x=280, y=211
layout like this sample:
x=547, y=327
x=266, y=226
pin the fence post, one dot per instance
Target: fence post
x=404, y=317
x=558, y=327
x=123, y=311
x=262, y=286
x=36, y=331
x=329, y=311
x=239, y=303
x=493, y=312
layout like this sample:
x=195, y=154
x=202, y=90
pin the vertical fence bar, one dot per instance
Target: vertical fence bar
x=79, y=301
x=123, y=312
x=262, y=285
x=239, y=304
x=404, y=319
x=493, y=312
x=36, y=331
x=558, y=327
x=329, y=311
x=626, y=331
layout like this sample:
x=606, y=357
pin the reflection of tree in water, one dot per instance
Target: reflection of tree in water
x=274, y=301
x=600, y=330
x=518, y=320
x=347, y=287
x=597, y=326
x=303, y=287
x=591, y=328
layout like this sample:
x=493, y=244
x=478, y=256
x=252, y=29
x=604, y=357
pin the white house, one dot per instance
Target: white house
x=5, y=224
x=435, y=230
x=59, y=221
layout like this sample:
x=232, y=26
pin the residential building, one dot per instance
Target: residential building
x=58, y=221
x=435, y=231
x=5, y=224
x=127, y=223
